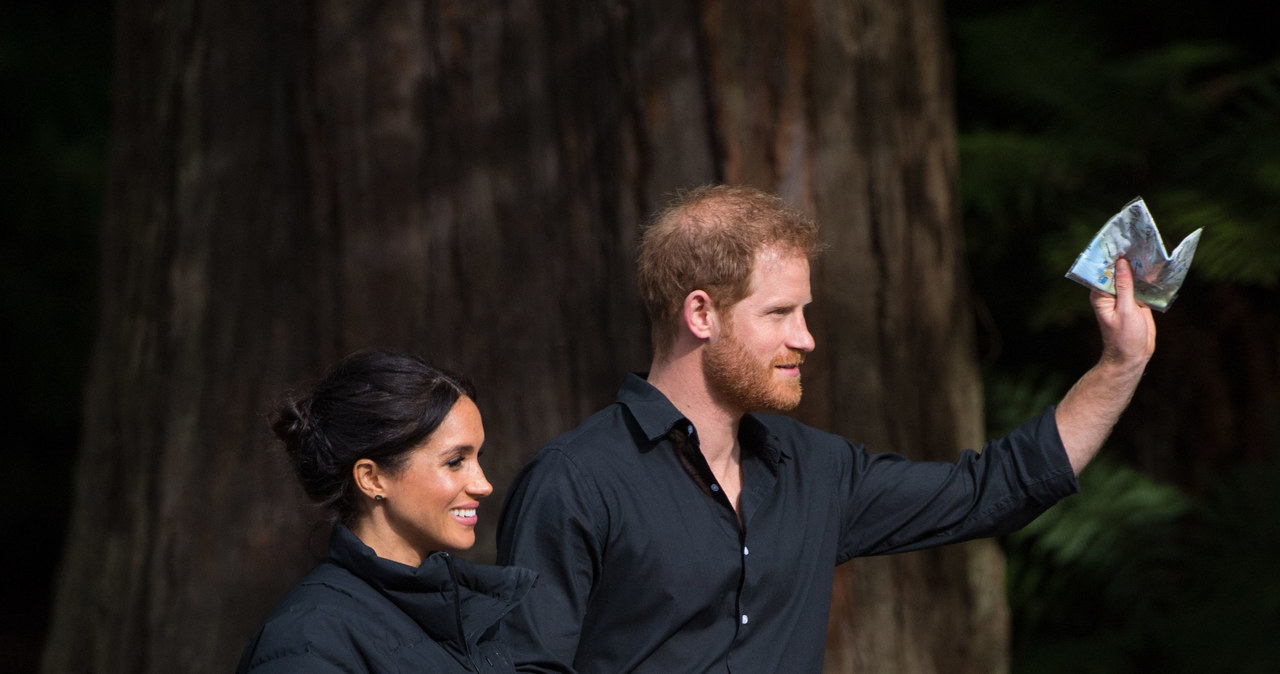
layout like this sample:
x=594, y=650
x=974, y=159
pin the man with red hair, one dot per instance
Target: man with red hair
x=682, y=530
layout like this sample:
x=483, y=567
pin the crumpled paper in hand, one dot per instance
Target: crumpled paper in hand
x=1132, y=234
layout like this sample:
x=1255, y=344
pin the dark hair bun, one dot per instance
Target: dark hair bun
x=292, y=422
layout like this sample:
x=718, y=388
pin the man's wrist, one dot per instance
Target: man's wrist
x=1121, y=368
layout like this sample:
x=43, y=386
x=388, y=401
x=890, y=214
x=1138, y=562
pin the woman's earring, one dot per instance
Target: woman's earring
x=377, y=497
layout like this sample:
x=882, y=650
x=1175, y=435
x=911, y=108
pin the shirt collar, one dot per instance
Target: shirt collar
x=752, y=432
x=648, y=406
x=656, y=417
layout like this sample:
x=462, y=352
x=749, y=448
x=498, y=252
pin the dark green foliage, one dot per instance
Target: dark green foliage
x=1067, y=111
x=1091, y=578
x=1133, y=575
x=1232, y=613
x=1061, y=127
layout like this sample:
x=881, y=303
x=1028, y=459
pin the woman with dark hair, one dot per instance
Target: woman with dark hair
x=391, y=446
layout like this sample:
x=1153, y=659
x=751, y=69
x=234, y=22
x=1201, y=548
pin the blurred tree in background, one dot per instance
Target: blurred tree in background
x=1166, y=561
x=294, y=180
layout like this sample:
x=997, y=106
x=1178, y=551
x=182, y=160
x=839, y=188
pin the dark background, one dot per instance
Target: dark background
x=1166, y=562
x=54, y=117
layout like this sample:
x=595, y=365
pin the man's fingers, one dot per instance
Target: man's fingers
x=1124, y=282
x=1100, y=299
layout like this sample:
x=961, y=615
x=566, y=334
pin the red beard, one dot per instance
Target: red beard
x=739, y=379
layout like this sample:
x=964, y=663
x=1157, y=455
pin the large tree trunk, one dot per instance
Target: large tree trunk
x=294, y=180
x=893, y=299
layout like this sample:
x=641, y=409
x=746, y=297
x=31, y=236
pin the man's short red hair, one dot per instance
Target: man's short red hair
x=707, y=239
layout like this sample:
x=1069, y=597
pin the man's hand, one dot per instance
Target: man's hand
x=1092, y=407
x=1128, y=327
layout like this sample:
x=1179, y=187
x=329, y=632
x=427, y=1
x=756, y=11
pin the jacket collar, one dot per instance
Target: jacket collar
x=452, y=599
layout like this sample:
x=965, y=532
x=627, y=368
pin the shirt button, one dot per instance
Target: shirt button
x=744, y=618
x=745, y=551
x=715, y=487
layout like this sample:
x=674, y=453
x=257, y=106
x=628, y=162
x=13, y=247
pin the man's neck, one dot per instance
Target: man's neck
x=680, y=379
x=679, y=376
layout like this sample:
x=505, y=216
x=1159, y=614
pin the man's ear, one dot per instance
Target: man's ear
x=369, y=478
x=700, y=314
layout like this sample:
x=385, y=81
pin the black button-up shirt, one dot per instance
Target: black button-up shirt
x=644, y=566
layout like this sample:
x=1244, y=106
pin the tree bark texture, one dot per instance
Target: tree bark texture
x=298, y=179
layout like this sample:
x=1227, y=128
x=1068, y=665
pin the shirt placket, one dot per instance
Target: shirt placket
x=758, y=480
x=755, y=483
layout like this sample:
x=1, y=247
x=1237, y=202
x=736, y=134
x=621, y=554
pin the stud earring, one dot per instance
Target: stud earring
x=377, y=497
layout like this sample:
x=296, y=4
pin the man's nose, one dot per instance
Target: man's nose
x=801, y=339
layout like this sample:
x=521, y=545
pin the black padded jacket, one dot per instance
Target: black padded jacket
x=357, y=612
